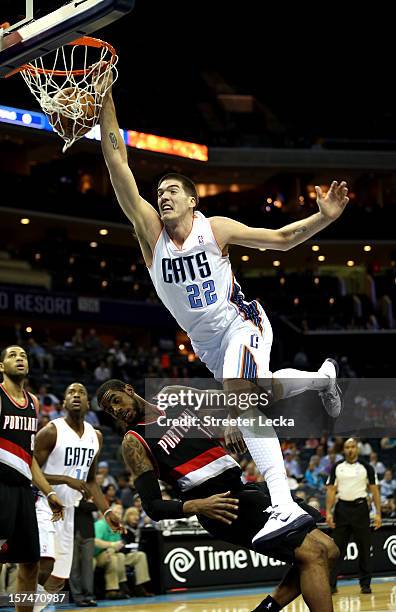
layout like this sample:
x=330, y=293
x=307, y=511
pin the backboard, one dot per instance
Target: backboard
x=35, y=31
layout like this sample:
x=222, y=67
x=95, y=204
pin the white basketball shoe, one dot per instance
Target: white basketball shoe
x=331, y=396
x=282, y=520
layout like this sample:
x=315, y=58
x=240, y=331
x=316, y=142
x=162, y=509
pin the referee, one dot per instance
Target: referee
x=349, y=480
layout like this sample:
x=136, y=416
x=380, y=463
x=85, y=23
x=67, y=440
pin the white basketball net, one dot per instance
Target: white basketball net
x=79, y=108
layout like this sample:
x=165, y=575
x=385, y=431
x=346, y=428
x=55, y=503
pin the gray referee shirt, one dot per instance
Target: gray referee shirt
x=352, y=479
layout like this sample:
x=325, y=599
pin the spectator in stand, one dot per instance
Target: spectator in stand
x=40, y=355
x=311, y=443
x=327, y=462
x=110, y=493
x=99, y=480
x=102, y=372
x=292, y=482
x=292, y=464
x=43, y=421
x=118, y=359
x=387, y=485
x=377, y=465
x=47, y=406
x=144, y=519
x=312, y=476
x=131, y=523
x=126, y=490
x=251, y=473
x=92, y=342
x=43, y=392
x=388, y=443
x=92, y=418
x=57, y=412
x=116, y=561
x=365, y=449
x=103, y=468
x=78, y=340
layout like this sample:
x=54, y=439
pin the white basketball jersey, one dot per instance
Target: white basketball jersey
x=197, y=286
x=71, y=456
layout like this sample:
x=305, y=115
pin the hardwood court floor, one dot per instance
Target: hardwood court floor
x=348, y=599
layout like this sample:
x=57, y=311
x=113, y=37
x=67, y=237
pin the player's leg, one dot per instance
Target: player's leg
x=64, y=540
x=302, y=547
x=46, y=529
x=246, y=359
x=27, y=581
x=312, y=562
x=24, y=546
x=290, y=382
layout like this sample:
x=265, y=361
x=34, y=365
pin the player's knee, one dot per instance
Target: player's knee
x=311, y=551
x=28, y=571
x=333, y=552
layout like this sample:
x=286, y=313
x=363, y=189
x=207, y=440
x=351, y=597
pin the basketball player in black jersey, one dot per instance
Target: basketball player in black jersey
x=177, y=449
x=19, y=540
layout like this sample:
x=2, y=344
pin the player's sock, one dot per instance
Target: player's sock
x=268, y=604
x=267, y=455
x=295, y=382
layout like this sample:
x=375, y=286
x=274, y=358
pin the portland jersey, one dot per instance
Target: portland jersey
x=197, y=286
x=18, y=425
x=184, y=454
x=71, y=456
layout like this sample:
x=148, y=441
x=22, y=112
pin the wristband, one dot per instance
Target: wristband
x=50, y=493
x=106, y=511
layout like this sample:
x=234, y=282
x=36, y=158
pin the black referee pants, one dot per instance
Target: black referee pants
x=352, y=519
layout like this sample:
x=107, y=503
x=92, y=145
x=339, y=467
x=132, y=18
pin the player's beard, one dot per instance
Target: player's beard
x=16, y=377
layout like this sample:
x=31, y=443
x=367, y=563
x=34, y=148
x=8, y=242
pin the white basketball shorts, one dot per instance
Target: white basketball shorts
x=56, y=538
x=243, y=352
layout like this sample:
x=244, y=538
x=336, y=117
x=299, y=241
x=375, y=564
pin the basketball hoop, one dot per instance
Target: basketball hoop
x=71, y=91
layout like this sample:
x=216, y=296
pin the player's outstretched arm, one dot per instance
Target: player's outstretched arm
x=331, y=206
x=142, y=215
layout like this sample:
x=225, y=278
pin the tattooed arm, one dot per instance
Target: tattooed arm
x=227, y=231
x=220, y=507
x=142, y=215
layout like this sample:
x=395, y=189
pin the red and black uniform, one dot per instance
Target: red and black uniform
x=187, y=457
x=19, y=540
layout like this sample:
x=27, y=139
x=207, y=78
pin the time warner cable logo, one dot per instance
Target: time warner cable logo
x=180, y=560
x=390, y=547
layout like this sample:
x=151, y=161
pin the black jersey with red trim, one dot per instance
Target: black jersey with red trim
x=184, y=452
x=18, y=425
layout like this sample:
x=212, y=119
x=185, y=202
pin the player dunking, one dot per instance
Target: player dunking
x=208, y=481
x=19, y=540
x=67, y=450
x=187, y=258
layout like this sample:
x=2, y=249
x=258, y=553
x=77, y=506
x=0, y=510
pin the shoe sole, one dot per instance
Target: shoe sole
x=338, y=389
x=301, y=521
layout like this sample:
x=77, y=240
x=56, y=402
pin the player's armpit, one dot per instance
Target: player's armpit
x=135, y=456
